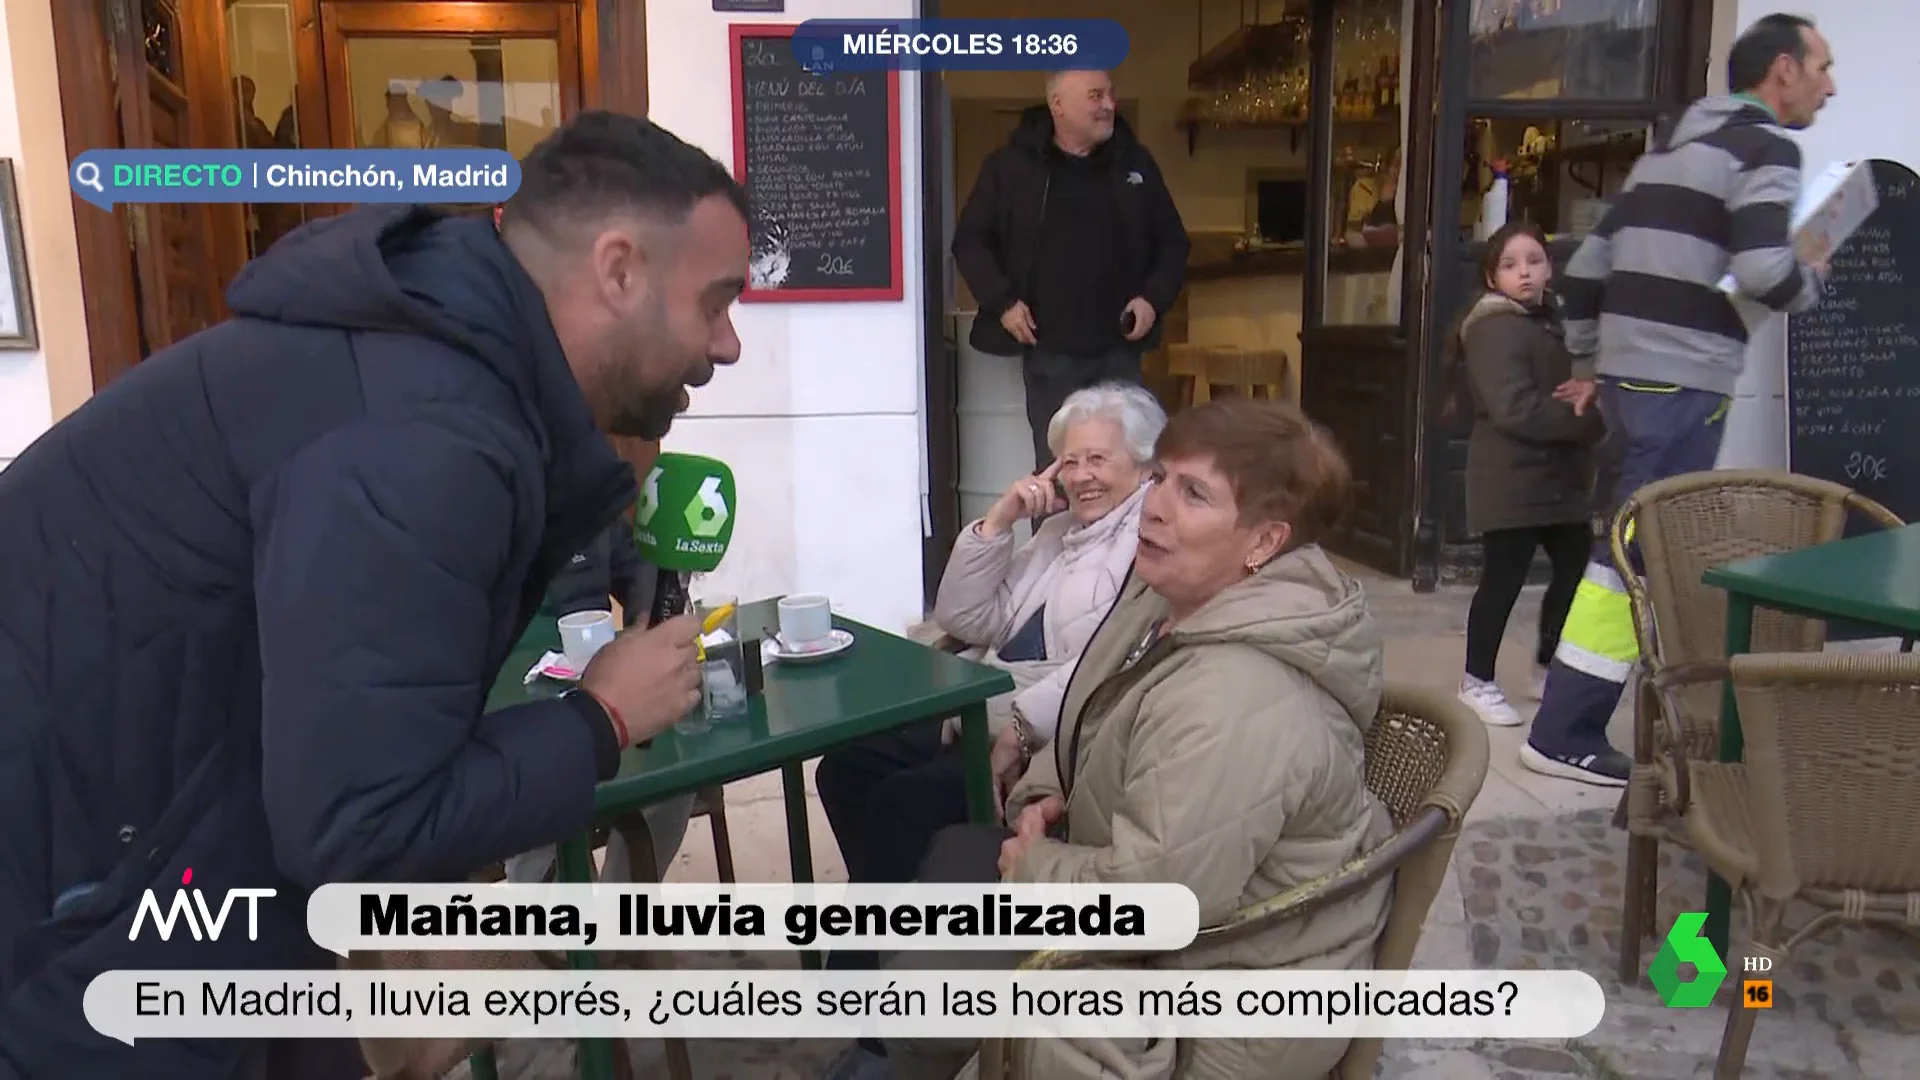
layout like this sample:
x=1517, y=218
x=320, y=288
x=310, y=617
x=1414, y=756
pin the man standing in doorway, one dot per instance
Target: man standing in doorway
x=1713, y=197
x=1072, y=245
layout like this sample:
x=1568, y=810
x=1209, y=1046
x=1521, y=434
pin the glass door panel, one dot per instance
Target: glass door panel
x=266, y=91
x=1364, y=215
x=423, y=76
x=1569, y=49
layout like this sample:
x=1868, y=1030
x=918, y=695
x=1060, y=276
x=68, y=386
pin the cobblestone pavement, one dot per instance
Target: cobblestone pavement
x=1547, y=892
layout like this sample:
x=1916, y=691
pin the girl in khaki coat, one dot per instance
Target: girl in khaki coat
x=1529, y=484
x=1213, y=734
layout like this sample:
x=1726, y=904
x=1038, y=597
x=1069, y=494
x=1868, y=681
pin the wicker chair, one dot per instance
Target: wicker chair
x=1426, y=760
x=1824, y=810
x=1683, y=526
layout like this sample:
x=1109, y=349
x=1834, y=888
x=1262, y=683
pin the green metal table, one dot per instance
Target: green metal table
x=1872, y=579
x=883, y=683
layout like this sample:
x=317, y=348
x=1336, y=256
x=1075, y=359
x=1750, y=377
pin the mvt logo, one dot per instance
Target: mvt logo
x=191, y=905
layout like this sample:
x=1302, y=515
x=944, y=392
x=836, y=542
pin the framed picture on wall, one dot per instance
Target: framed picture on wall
x=16, y=299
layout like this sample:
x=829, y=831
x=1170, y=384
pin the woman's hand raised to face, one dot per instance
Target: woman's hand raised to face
x=1029, y=496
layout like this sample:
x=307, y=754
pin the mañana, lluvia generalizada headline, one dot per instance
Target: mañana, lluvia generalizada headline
x=394, y=915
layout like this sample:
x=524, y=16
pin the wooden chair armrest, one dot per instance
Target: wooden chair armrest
x=1667, y=682
x=1873, y=511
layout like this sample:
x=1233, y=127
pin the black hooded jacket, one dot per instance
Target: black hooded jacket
x=996, y=239
x=253, y=595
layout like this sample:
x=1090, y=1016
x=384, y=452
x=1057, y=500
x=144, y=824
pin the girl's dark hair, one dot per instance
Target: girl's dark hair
x=1454, y=406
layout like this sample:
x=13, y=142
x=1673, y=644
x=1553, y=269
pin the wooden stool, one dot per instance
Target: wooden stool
x=1246, y=372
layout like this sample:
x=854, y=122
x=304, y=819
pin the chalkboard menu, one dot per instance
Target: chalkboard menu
x=1853, y=362
x=820, y=158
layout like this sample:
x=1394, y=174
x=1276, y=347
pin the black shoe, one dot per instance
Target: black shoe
x=1608, y=768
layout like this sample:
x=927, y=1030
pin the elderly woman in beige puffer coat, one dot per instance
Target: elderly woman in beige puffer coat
x=1213, y=734
x=1027, y=608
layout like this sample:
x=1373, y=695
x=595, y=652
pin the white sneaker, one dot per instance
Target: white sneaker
x=1487, y=699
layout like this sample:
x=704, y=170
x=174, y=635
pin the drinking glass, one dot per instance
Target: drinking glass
x=723, y=668
x=695, y=722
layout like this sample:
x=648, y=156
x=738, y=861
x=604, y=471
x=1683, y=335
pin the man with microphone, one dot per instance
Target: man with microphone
x=255, y=591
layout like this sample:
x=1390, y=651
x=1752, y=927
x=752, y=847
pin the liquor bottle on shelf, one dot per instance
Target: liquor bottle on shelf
x=1384, y=85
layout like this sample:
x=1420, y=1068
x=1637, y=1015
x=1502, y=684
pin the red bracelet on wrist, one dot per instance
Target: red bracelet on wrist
x=613, y=714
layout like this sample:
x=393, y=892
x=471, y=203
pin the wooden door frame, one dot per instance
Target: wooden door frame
x=1681, y=46
x=82, y=57
x=941, y=366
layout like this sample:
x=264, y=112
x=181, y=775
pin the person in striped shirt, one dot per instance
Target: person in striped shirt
x=1643, y=298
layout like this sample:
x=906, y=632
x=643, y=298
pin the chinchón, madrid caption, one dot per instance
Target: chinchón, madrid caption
x=280, y=175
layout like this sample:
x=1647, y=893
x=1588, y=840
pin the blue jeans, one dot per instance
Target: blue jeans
x=1665, y=431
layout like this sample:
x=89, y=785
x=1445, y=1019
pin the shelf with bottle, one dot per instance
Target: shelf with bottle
x=1378, y=97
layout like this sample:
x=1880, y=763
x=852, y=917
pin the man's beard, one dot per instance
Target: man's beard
x=641, y=411
x=645, y=414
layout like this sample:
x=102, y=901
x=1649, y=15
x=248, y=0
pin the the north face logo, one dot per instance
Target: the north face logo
x=1134, y=177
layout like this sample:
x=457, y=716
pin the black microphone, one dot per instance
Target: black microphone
x=670, y=597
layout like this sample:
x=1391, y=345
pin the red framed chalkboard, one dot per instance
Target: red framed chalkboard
x=820, y=158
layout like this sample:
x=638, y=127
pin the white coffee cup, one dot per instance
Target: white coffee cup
x=584, y=633
x=805, y=620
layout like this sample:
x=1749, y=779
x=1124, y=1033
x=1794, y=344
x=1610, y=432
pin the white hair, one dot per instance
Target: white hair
x=1132, y=407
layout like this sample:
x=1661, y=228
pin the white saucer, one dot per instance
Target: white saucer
x=838, y=641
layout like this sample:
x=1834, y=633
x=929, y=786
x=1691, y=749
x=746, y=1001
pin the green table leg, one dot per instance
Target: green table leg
x=977, y=749
x=1733, y=746
x=799, y=840
x=595, y=1060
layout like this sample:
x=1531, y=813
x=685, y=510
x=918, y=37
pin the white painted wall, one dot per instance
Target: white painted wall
x=821, y=420
x=1861, y=121
x=26, y=404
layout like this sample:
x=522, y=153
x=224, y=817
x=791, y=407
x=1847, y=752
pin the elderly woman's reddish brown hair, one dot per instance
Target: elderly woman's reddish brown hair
x=1282, y=466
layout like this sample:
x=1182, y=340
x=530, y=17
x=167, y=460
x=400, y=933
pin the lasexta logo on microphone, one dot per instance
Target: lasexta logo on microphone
x=684, y=518
x=190, y=905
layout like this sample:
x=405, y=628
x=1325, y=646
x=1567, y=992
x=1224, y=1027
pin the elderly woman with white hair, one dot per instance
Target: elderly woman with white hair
x=1027, y=608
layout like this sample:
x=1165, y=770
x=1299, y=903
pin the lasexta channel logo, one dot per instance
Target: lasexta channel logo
x=1686, y=945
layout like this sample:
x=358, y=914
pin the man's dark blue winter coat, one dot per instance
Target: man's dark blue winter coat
x=252, y=596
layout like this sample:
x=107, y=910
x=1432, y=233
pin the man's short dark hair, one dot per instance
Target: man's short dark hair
x=1755, y=50
x=602, y=163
